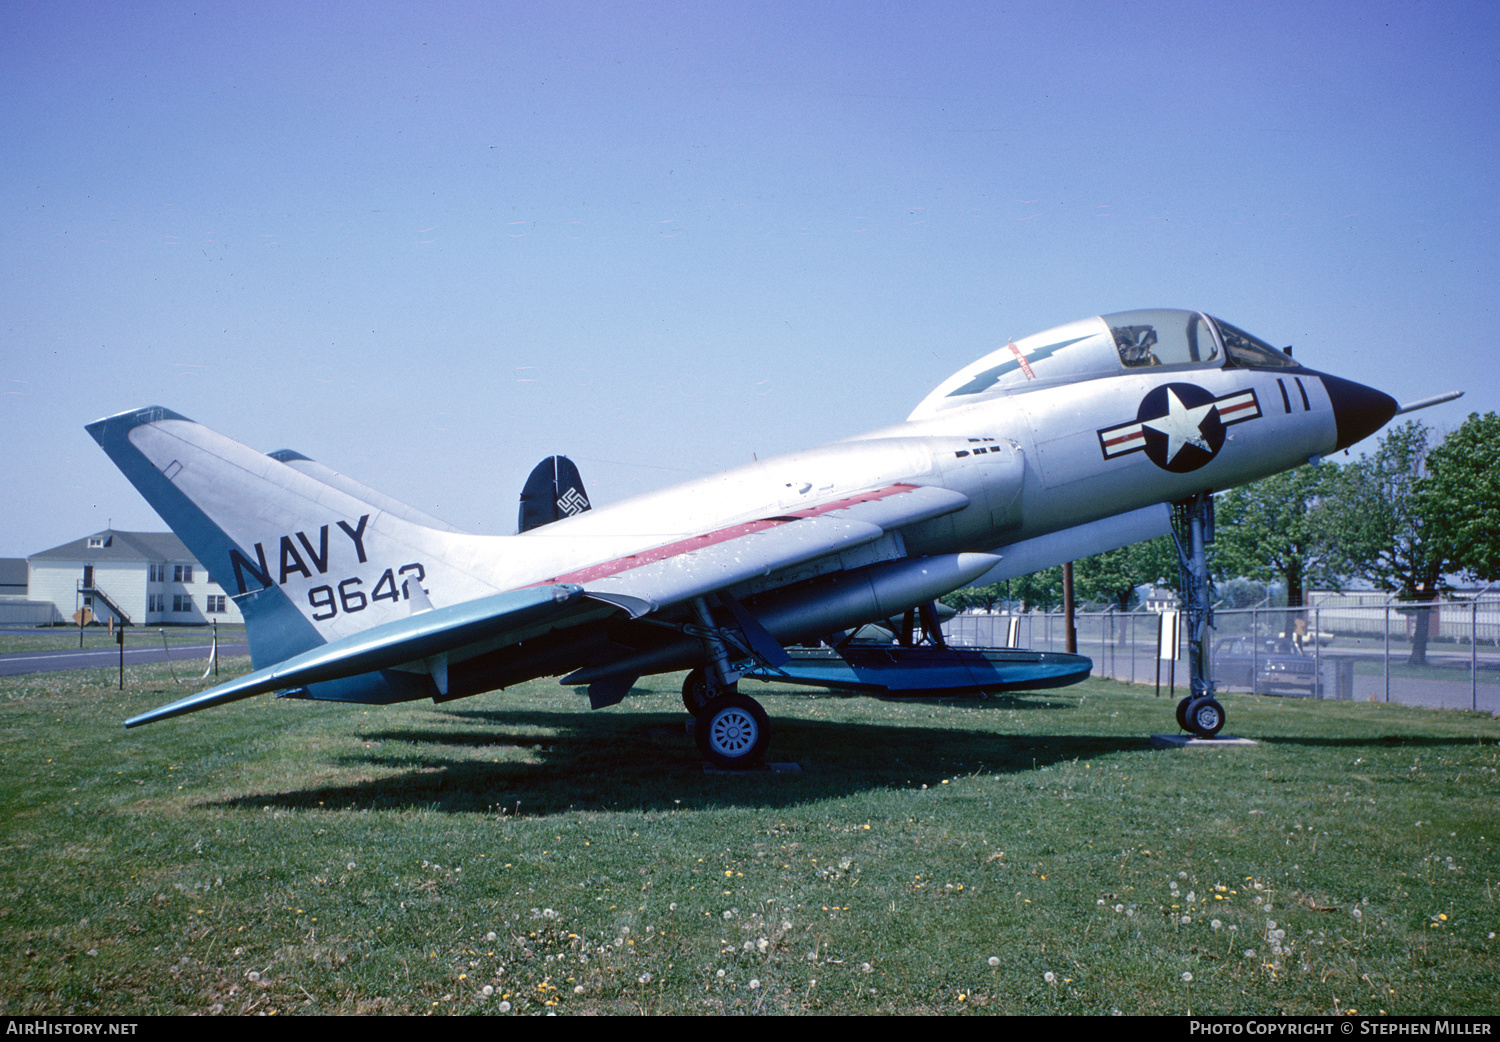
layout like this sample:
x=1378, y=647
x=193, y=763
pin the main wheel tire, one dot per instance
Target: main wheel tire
x=697, y=692
x=1205, y=717
x=1182, y=711
x=732, y=732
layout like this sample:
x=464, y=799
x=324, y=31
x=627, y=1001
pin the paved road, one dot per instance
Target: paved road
x=22, y=662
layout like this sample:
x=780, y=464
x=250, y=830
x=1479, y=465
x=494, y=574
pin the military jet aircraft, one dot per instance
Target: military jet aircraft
x=1054, y=447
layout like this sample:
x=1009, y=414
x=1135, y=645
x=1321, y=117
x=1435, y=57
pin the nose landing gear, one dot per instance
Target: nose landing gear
x=1192, y=529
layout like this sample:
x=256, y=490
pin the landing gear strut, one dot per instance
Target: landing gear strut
x=731, y=729
x=1192, y=529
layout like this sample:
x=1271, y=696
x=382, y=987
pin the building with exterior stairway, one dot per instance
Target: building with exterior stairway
x=135, y=578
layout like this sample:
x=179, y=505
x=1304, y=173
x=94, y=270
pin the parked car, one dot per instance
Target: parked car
x=1266, y=666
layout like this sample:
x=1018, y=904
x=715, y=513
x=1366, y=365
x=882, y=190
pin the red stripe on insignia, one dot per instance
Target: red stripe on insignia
x=1121, y=439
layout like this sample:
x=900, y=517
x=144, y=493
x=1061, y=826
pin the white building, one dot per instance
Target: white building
x=140, y=578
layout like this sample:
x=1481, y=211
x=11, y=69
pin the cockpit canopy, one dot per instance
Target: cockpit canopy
x=1105, y=346
x=1162, y=337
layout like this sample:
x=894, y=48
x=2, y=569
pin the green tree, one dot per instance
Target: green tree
x=1114, y=575
x=1384, y=522
x=1242, y=593
x=1460, y=497
x=1111, y=576
x=1038, y=591
x=1278, y=528
x=987, y=598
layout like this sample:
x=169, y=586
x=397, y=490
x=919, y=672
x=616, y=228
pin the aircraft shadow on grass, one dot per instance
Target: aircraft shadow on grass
x=638, y=762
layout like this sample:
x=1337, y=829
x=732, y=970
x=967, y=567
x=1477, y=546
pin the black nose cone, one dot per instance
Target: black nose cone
x=1358, y=410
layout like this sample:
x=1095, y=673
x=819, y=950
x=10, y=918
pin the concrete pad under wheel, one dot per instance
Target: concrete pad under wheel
x=1192, y=741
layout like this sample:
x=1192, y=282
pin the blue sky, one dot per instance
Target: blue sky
x=430, y=246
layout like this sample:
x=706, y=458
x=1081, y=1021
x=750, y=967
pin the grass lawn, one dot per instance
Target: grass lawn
x=516, y=853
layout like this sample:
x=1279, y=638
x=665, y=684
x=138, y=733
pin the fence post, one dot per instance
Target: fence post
x=1474, y=655
x=1104, y=644
x=1254, y=648
x=1317, y=654
x=1386, y=658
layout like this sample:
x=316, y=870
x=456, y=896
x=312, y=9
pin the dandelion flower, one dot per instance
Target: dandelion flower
x=754, y=983
x=487, y=991
x=578, y=989
x=994, y=961
x=1187, y=978
x=1050, y=977
x=504, y=1007
x=1216, y=924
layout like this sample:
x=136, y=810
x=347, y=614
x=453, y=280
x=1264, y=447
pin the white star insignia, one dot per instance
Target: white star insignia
x=1181, y=425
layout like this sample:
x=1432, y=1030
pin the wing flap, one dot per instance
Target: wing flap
x=693, y=567
x=420, y=636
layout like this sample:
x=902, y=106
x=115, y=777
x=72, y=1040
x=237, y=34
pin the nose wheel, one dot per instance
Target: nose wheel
x=1203, y=717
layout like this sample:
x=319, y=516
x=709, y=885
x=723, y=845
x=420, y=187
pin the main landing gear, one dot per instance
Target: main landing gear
x=731, y=729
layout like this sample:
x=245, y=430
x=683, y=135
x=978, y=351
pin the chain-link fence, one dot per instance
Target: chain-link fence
x=1443, y=655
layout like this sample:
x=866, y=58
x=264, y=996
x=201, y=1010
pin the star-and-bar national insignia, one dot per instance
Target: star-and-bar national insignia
x=1180, y=427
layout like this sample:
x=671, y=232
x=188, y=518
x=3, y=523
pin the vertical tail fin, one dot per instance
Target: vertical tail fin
x=552, y=492
x=328, y=476
x=307, y=562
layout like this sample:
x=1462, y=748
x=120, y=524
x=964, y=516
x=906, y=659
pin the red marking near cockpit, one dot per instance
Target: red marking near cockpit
x=1021, y=360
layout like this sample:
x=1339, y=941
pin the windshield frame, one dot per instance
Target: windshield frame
x=1243, y=351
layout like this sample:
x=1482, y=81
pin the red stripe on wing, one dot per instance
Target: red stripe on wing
x=723, y=535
